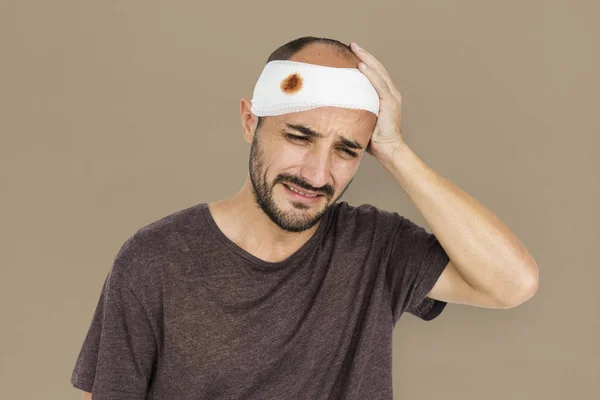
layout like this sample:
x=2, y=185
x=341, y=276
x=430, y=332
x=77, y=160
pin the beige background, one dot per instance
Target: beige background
x=117, y=113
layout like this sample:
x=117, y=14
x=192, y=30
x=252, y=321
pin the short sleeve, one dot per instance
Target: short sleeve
x=117, y=356
x=416, y=262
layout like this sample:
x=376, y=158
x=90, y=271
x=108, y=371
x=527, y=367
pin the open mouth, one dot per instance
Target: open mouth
x=299, y=193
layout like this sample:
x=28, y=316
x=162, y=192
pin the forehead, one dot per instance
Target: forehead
x=332, y=121
x=329, y=115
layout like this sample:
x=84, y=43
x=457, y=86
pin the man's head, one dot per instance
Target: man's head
x=315, y=152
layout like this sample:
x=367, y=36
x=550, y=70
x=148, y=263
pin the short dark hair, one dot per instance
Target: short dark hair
x=287, y=51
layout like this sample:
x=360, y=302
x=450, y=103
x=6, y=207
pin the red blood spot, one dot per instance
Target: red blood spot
x=292, y=84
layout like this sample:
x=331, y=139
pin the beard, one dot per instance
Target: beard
x=297, y=220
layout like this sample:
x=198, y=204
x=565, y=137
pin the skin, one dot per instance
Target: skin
x=280, y=156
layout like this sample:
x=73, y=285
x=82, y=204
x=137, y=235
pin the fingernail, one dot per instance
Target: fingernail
x=356, y=45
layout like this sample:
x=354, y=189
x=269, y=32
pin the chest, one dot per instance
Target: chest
x=228, y=332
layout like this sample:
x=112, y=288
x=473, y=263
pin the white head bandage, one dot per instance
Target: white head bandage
x=290, y=86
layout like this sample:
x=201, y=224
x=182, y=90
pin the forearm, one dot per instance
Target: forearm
x=486, y=253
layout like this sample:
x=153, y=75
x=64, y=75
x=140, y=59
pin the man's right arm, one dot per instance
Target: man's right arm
x=87, y=396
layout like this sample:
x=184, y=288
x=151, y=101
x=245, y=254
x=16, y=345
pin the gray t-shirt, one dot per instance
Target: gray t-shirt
x=185, y=313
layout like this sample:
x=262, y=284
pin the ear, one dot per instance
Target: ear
x=249, y=120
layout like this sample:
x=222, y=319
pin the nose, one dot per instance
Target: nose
x=316, y=167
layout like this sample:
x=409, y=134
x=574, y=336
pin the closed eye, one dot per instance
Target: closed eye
x=349, y=152
x=306, y=139
x=296, y=137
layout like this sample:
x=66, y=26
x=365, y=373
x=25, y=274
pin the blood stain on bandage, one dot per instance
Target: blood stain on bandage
x=292, y=84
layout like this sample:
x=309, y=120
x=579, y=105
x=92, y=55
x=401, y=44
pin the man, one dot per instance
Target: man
x=281, y=291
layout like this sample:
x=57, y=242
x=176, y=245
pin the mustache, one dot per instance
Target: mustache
x=327, y=190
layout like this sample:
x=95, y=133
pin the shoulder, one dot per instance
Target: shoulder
x=365, y=215
x=365, y=220
x=150, y=248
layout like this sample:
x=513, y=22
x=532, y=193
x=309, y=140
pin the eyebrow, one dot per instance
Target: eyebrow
x=353, y=144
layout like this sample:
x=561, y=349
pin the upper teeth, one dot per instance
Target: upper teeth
x=302, y=193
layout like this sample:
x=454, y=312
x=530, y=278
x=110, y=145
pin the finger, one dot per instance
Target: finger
x=371, y=61
x=376, y=79
x=365, y=56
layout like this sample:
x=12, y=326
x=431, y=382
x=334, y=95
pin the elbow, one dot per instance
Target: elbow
x=527, y=289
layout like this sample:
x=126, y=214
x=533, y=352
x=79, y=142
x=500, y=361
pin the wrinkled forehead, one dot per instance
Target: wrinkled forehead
x=329, y=116
x=331, y=122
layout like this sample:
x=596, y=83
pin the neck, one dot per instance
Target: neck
x=245, y=224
